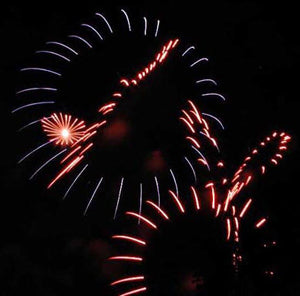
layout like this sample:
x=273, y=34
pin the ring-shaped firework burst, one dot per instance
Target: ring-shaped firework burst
x=135, y=126
x=203, y=247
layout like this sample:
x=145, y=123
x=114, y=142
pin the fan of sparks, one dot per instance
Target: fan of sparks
x=62, y=129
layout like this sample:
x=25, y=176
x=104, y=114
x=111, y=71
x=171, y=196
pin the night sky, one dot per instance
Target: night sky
x=47, y=246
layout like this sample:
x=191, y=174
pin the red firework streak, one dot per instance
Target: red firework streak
x=81, y=143
x=222, y=208
x=247, y=172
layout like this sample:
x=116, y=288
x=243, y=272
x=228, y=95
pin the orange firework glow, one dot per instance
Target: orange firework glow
x=63, y=129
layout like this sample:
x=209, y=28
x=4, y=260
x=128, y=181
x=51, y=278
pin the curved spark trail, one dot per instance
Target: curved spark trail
x=213, y=141
x=34, y=150
x=73, y=183
x=261, y=222
x=127, y=18
x=41, y=70
x=207, y=80
x=126, y=258
x=196, y=198
x=202, y=156
x=142, y=218
x=177, y=201
x=136, y=291
x=188, y=50
x=128, y=279
x=199, y=61
x=159, y=210
x=36, y=89
x=92, y=197
x=31, y=105
x=192, y=168
x=157, y=28
x=50, y=52
x=29, y=124
x=157, y=190
x=106, y=21
x=130, y=238
x=93, y=29
x=81, y=39
x=214, y=94
x=175, y=182
x=228, y=228
x=145, y=28
x=63, y=45
x=213, y=194
x=119, y=196
x=48, y=161
x=245, y=208
x=141, y=202
x=215, y=118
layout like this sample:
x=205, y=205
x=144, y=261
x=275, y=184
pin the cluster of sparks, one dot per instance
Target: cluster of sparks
x=224, y=209
x=243, y=177
x=197, y=125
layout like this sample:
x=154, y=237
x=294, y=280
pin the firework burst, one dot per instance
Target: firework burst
x=218, y=203
x=185, y=179
x=85, y=142
x=62, y=129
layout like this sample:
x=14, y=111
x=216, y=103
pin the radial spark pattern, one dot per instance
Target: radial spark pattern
x=62, y=129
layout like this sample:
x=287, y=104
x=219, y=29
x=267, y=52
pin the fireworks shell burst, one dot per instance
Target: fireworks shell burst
x=147, y=134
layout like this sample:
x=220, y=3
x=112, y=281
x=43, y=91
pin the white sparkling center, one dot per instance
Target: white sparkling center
x=65, y=133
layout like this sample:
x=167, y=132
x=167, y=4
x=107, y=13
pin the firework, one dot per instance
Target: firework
x=63, y=130
x=191, y=182
x=80, y=138
x=210, y=202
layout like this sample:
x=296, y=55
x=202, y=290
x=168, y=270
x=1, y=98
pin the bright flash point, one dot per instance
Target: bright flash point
x=65, y=133
x=63, y=129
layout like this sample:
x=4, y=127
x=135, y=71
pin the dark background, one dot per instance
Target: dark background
x=254, y=49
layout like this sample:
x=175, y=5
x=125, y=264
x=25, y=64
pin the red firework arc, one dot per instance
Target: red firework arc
x=223, y=208
x=158, y=212
x=246, y=173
